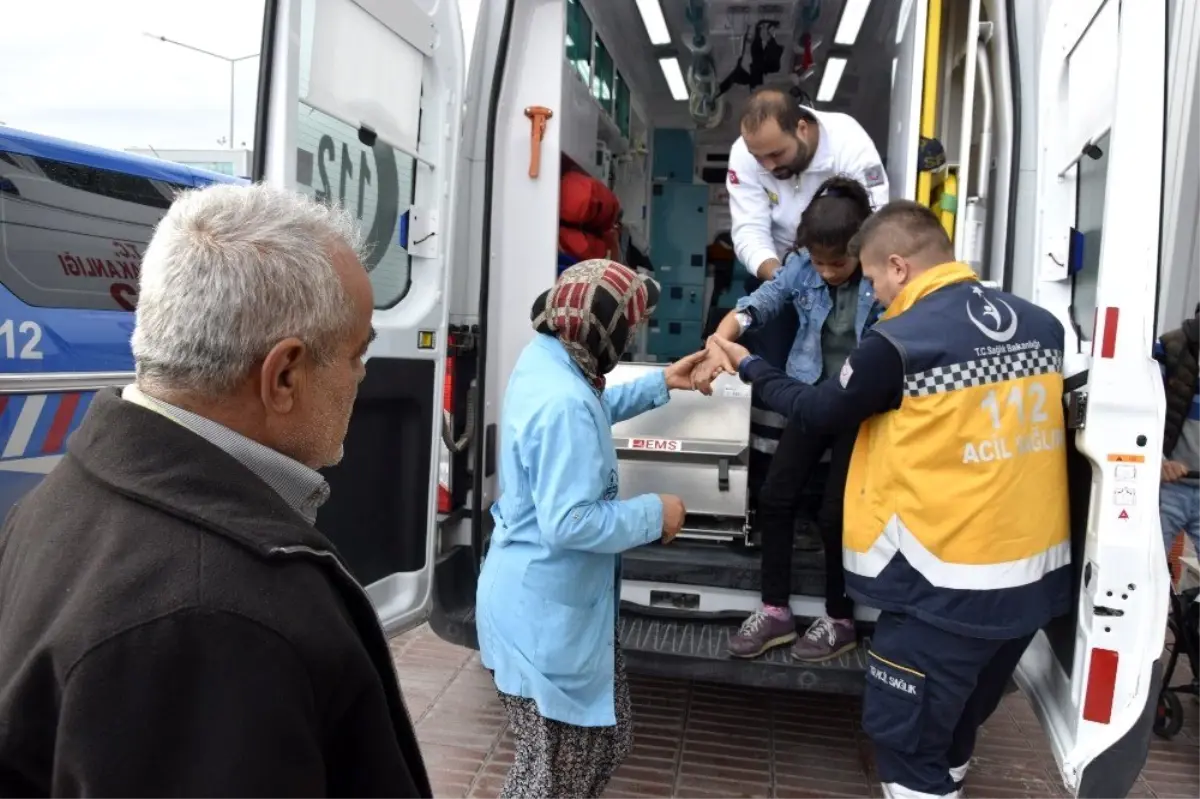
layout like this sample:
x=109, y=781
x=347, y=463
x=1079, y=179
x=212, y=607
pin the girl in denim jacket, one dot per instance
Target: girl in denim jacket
x=835, y=305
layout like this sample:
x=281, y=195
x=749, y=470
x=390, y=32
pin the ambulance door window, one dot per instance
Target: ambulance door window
x=374, y=183
x=1092, y=180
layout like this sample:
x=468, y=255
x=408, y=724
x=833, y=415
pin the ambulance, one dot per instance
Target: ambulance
x=452, y=157
x=1029, y=101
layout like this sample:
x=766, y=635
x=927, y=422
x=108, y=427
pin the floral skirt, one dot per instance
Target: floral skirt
x=555, y=759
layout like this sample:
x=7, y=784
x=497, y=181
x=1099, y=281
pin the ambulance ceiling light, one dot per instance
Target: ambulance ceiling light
x=674, y=75
x=830, y=78
x=655, y=22
x=853, y=14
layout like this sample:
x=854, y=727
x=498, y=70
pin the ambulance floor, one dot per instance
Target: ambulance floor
x=699, y=740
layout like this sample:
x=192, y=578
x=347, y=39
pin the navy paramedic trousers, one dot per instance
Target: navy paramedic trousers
x=928, y=691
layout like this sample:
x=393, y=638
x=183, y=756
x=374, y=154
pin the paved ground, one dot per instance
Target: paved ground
x=698, y=740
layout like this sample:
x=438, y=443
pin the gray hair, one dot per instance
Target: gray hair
x=231, y=272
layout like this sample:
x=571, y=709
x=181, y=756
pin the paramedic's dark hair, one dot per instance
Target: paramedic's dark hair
x=904, y=228
x=773, y=104
x=835, y=213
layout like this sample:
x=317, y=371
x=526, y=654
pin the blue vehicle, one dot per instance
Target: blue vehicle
x=74, y=221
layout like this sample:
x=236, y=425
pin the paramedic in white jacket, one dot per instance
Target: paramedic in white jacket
x=784, y=153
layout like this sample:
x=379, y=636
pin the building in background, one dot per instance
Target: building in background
x=226, y=162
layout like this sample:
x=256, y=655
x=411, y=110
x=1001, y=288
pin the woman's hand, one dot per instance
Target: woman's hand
x=679, y=374
x=708, y=370
x=673, y=515
x=730, y=353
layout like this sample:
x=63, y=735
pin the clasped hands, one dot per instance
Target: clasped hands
x=697, y=371
x=721, y=356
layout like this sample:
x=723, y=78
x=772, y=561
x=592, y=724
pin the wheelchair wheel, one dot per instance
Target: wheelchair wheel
x=1168, y=718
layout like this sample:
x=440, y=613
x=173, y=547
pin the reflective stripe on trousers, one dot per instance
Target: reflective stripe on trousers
x=892, y=790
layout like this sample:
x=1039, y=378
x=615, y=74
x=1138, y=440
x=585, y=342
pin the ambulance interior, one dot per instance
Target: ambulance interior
x=658, y=85
x=652, y=96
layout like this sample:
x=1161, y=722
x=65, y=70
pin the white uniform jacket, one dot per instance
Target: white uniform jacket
x=766, y=211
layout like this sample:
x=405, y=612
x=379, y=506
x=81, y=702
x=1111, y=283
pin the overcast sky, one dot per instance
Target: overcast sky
x=85, y=70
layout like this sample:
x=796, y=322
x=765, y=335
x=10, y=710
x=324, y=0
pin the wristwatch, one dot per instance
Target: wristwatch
x=744, y=320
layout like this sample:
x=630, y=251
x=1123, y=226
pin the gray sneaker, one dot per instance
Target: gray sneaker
x=825, y=639
x=760, y=632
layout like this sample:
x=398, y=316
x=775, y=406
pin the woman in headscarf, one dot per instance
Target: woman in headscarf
x=547, y=596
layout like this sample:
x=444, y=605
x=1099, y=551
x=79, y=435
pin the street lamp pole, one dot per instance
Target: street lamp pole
x=232, y=64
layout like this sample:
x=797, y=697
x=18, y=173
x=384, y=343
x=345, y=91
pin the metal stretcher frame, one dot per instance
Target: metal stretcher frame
x=695, y=447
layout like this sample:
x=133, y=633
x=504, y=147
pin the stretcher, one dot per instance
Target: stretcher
x=695, y=447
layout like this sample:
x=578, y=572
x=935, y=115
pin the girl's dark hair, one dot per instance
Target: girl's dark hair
x=835, y=214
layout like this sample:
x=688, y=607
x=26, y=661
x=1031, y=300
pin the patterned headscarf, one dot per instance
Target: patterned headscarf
x=593, y=309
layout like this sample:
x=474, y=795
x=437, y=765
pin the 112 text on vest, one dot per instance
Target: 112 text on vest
x=1033, y=433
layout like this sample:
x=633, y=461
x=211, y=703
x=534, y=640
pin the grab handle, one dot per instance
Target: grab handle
x=538, y=115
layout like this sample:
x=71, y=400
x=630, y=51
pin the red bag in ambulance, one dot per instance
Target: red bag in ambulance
x=588, y=214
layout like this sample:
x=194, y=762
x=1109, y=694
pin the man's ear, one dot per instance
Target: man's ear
x=283, y=372
x=899, y=266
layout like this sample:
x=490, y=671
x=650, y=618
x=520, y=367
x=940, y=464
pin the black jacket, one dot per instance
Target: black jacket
x=1177, y=350
x=169, y=626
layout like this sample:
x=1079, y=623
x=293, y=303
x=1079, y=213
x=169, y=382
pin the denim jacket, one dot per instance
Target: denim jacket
x=799, y=283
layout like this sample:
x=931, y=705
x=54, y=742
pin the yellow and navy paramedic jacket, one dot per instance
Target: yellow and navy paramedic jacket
x=956, y=504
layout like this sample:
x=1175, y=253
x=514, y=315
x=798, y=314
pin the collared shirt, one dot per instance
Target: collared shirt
x=839, y=334
x=304, y=489
x=765, y=210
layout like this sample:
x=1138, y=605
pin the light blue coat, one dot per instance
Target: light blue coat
x=548, y=591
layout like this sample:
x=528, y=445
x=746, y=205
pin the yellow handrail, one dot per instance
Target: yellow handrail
x=946, y=205
x=929, y=92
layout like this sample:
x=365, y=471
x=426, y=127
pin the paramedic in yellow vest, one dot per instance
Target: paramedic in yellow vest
x=956, y=502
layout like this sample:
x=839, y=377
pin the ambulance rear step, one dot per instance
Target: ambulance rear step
x=725, y=567
x=695, y=447
x=699, y=650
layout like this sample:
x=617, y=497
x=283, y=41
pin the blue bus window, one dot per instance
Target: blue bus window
x=75, y=219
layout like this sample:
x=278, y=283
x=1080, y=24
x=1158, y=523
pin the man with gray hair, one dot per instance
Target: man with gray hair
x=171, y=621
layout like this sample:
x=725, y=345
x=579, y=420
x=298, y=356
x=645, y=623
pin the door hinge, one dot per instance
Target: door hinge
x=1075, y=396
x=1077, y=409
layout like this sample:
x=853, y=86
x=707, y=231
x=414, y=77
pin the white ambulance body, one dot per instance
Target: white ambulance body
x=1082, y=116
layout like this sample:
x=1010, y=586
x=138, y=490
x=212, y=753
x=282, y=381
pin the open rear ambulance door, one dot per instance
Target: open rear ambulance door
x=359, y=104
x=1094, y=676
